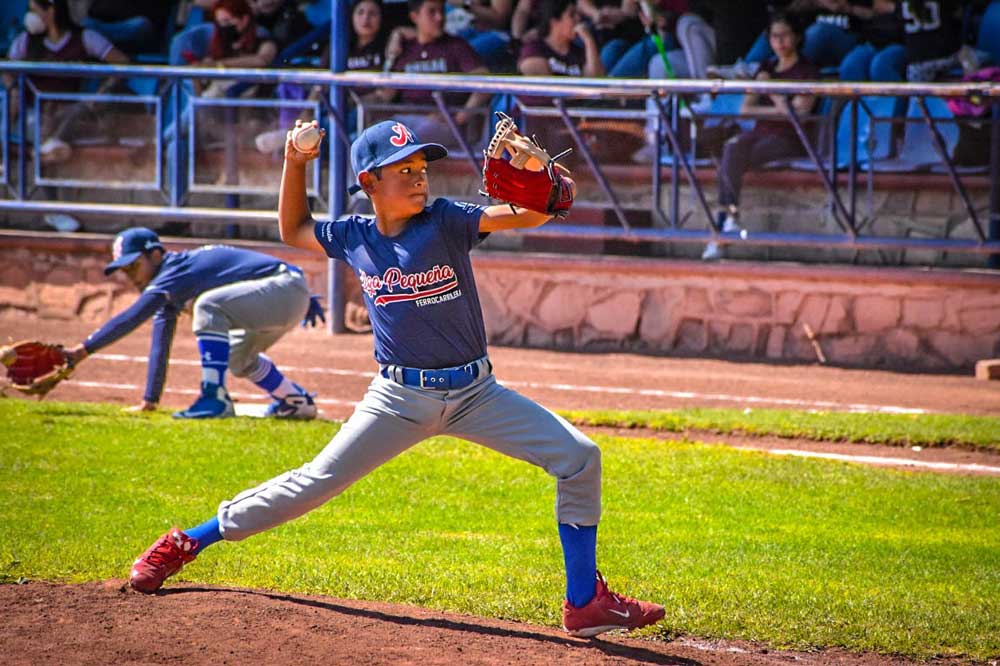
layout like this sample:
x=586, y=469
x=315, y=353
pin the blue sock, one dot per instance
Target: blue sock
x=206, y=534
x=579, y=543
x=214, y=351
x=272, y=378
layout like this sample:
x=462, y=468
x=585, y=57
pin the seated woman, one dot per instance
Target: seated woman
x=366, y=52
x=556, y=51
x=237, y=41
x=770, y=139
x=51, y=36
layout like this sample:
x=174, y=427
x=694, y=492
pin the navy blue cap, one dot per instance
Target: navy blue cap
x=387, y=142
x=129, y=245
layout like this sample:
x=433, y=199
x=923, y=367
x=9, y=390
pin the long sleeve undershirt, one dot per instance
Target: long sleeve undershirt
x=164, y=323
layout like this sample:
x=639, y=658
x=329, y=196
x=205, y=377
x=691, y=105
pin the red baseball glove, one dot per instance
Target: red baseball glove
x=34, y=368
x=529, y=178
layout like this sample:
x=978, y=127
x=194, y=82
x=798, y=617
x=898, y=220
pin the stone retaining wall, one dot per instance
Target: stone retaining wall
x=912, y=319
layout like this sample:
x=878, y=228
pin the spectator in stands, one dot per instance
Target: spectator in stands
x=237, y=41
x=283, y=20
x=366, y=52
x=835, y=27
x=487, y=29
x=555, y=51
x=614, y=24
x=630, y=59
x=51, y=36
x=563, y=45
x=932, y=36
x=834, y=30
x=432, y=51
x=771, y=138
x=880, y=56
x=132, y=27
x=522, y=21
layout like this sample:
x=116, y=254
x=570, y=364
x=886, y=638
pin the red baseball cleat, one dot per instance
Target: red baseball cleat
x=608, y=611
x=163, y=559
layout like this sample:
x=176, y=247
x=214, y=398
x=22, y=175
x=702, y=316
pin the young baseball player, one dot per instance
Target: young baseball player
x=244, y=301
x=434, y=375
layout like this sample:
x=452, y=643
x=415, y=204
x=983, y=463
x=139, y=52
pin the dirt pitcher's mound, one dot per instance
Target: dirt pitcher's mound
x=105, y=623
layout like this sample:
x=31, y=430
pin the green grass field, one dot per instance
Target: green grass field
x=974, y=432
x=738, y=545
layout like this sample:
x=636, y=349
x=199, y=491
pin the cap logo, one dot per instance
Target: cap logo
x=116, y=248
x=403, y=135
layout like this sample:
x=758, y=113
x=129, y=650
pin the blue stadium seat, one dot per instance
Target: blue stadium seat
x=841, y=126
x=875, y=129
x=11, y=17
x=318, y=12
x=918, y=152
x=194, y=39
x=989, y=32
x=727, y=105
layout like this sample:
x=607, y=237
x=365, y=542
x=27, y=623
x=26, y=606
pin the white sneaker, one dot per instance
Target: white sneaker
x=54, y=151
x=299, y=406
x=270, y=142
x=713, y=251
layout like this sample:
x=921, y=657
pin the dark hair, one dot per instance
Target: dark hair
x=379, y=38
x=247, y=42
x=791, y=20
x=546, y=12
x=64, y=20
x=415, y=5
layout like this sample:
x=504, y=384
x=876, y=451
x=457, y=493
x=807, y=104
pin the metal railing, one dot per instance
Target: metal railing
x=176, y=187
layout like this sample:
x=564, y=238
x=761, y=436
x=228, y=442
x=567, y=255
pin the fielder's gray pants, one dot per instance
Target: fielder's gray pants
x=393, y=417
x=254, y=314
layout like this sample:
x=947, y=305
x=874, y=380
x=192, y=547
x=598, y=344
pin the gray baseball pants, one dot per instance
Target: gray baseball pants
x=391, y=418
x=254, y=314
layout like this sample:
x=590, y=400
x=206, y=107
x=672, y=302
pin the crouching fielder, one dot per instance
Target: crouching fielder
x=244, y=301
x=434, y=376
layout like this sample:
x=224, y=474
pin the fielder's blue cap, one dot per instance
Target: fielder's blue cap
x=387, y=142
x=129, y=245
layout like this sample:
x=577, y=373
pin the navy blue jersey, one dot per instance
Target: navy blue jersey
x=418, y=285
x=184, y=275
x=181, y=277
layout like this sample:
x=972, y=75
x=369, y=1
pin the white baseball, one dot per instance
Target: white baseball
x=305, y=138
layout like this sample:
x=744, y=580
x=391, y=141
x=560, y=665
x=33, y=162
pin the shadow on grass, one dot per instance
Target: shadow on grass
x=611, y=649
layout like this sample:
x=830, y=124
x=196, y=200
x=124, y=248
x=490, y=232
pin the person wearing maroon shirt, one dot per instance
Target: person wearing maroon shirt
x=51, y=36
x=555, y=51
x=769, y=139
x=432, y=51
x=366, y=52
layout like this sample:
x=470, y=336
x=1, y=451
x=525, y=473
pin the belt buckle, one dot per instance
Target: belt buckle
x=425, y=374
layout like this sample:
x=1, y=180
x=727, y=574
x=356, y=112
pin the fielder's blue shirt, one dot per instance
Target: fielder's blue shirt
x=418, y=285
x=182, y=276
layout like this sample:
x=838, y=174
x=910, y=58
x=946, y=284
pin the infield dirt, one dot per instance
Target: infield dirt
x=105, y=623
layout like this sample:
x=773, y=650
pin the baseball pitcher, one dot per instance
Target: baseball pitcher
x=434, y=377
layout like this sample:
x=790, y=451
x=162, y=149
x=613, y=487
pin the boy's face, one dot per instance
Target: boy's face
x=429, y=19
x=140, y=272
x=403, y=185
